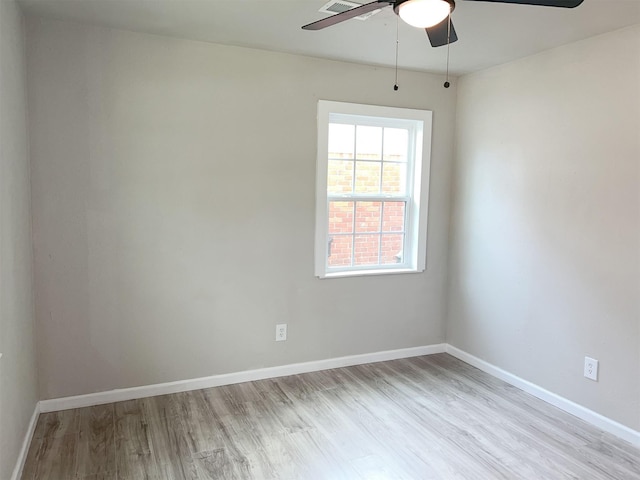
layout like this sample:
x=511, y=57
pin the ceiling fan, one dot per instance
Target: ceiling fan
x=432, y=15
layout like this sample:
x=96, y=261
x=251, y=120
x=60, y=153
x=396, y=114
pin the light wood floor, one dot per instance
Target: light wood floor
x=431, y=417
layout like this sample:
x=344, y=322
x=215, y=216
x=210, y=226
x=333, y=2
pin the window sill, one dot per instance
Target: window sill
x=368, y=273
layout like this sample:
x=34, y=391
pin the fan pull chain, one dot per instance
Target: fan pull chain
x=395, y=85
x=446, y=83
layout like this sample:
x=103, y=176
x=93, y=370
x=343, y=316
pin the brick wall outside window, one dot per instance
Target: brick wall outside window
x=365, y=230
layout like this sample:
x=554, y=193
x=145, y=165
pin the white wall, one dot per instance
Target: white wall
x=173, y=203
x=18, y=382
x=545, y=255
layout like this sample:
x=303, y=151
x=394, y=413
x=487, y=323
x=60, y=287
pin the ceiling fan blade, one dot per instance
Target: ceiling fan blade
x=544, y=3
x=438, y=33
x=354, y=12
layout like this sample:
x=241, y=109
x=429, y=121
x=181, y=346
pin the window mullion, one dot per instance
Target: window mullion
x=407, y=227
x=367, y=198
x=355, y=155
x=381, y=164
x=353, y=234
x=380, y=232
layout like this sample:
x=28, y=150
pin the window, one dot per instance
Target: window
x=372, y=189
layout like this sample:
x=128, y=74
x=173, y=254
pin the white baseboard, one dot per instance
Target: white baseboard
x=24, y=450
x=133, y=393
x=600, y=421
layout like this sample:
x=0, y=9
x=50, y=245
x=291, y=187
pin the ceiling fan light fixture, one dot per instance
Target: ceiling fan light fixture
x=424, y=13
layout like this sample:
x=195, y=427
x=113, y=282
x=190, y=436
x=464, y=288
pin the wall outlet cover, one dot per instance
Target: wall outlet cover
x=281, y=332
x=591, y=368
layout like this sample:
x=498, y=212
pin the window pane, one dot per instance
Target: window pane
x=340, y=217
x=366, y=249
x=396, y=141
x=341, y=140
x=393, y=217
x=394, y=178
x=368, y=177
x=391, y=248
x=340, y=176
x=339, y=251
x=368, y=143
x=368, y=217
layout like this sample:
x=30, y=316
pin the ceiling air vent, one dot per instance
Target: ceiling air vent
x=339, y=6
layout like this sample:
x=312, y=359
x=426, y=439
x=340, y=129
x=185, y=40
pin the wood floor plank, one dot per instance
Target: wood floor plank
x=196, y=416
x=214, y=465
x=168, y=437
x=57, y=424
x=32, y=462
x=134, y=457
x=224, y=423
x=96, y=441
x=431, y=417
x=55, y=458
x=99, y=476
x=313, y=457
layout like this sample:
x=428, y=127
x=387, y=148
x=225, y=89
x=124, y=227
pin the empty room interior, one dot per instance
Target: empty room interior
x=391, y=244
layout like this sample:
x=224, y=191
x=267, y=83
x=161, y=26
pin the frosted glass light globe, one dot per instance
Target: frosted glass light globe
x=424, y=13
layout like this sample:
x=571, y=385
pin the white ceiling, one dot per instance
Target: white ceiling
x=489, y=33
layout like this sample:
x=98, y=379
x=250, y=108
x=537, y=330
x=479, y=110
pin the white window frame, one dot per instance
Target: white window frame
x=416, y=212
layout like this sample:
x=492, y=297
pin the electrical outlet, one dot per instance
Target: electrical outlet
x=281, y=332
x=591, y=368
